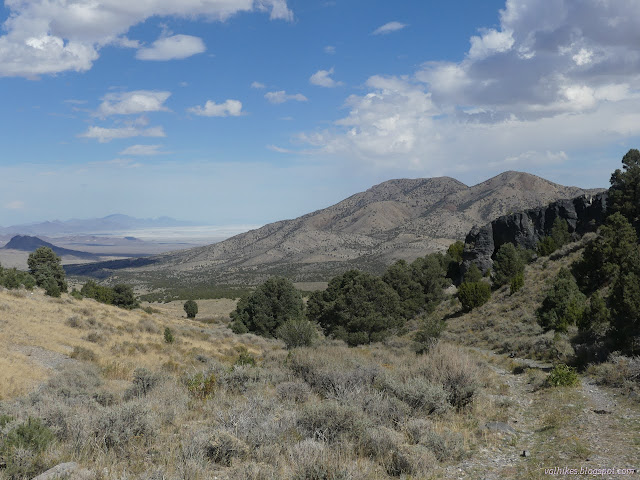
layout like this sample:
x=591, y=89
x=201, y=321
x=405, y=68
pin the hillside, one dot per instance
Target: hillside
x=397, y=219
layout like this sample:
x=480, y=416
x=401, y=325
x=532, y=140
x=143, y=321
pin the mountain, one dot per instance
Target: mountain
x=110, y=223
x=397, y=219
x=26, y=243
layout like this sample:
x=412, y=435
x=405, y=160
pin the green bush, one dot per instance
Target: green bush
x=356, y=307
x=473, y=294
x=428, y=334
x=32, y=435
x=595, y=319
x=245, y=358
x=191, y=308
x=564, y=304
x=273, y=303
x=563, y=376
x=98, y=292
x=168, y=335
x=546, y=246
x=297, y=333
x=516, y=283
x=22, y=449
x=201, y=385
x=143, y=382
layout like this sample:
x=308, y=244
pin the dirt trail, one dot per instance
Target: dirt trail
x=587, y=427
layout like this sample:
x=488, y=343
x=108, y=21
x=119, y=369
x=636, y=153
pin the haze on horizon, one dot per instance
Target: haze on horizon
x=247, y=112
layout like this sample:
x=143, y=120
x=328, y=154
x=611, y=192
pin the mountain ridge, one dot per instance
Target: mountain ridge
x=113, y=222
x=396, y=219
x=26, y=243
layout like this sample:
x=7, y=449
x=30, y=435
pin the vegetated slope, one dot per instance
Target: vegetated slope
x=38, y=334
x=397, y=219
x=27, y=243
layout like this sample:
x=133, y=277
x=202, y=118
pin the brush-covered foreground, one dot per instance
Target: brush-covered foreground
x=100, y=386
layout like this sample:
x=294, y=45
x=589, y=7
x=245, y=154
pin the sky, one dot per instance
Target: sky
x=250, y=111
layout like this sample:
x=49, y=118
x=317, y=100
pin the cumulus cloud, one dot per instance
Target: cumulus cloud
x=564, y=75
x=322, y=78
x=47, y=37
x=142, y=150
x=104, y=135
x=388, y=28
x=258, y=85
x=229, y=108
x=282, y=96
x=175, y=47
x=131, y=103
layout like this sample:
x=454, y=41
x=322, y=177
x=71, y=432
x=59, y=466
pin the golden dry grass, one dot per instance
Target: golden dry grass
x=121, y=340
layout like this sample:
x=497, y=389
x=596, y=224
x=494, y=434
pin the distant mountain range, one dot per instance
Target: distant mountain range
x=29, y=244
x=110, y=223
x=397, y=219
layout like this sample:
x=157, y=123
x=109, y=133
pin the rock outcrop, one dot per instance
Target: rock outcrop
x=583, y=214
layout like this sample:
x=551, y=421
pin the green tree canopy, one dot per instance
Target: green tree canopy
x=401, y=277
x=44, y=264
x=455, y=251
x=191, y=308
x=624, y=192
x=431, y=273
x=271, y=304
x=625, y=302
x=473, y=274
x=508, y=263
x=124, y=297
x=607, y=254
x=356, y=307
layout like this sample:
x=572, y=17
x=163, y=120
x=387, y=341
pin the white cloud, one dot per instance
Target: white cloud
x=491, y=42
x=14, y=205
x=388, y=28
x=142, y=150
x=565, y=75
x=47, y=37
x=119, y=162
x=172, y=48
x=322, y=78
x=281, y=96
x=330, y=49
x=258, y=85
x=131, y=103
x=230, y=108
x=104, y=135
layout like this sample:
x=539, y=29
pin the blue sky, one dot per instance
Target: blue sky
x=250, y=111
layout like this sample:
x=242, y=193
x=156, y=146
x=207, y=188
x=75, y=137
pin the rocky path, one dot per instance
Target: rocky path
x=586, y=428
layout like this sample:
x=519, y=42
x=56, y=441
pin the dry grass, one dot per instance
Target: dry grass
x=131, y=406
x=120, y=340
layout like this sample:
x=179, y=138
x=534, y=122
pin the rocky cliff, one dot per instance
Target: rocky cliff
x=527, y=228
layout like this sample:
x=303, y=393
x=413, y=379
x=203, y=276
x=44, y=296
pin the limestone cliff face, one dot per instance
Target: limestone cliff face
x=527, y=228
